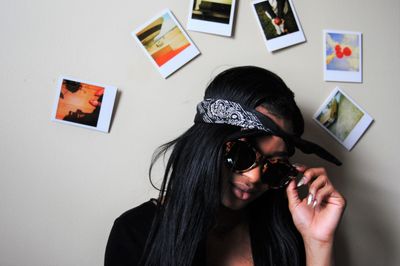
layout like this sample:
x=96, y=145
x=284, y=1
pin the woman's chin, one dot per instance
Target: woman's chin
x=237, y=199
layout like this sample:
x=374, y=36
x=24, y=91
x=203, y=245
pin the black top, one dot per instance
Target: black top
x=129, y=234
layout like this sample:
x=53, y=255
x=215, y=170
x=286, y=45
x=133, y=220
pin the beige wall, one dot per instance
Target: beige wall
x=61, y=187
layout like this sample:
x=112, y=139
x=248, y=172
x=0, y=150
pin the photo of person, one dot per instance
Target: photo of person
x=342, y=56
x=165, y=43
x=278, y=23
x=276, y=18
x=84, y=104
x=343, y=118
x=79, y=102
x=212, y=10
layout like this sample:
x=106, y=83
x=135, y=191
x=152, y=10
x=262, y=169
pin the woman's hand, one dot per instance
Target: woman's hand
x=317, y=216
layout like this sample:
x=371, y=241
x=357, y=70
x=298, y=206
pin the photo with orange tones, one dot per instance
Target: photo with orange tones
x=82, y=103
x=166, y=43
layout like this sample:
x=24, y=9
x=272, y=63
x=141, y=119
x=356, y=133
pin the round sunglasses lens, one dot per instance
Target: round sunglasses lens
x=278, y=174
x=242, y=156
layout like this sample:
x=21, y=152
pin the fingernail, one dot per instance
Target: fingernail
x=301, y=182
x=309, y=199
x=314, y=204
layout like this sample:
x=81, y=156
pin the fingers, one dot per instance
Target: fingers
x=293, y=195
x=320, y=182
x=310, y=174
x=320, y=188
x=322, y=194
x=300, y=167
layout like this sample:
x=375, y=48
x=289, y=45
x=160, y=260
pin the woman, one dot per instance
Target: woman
x=228, y=195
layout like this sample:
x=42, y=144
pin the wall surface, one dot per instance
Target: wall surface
x=61, y=187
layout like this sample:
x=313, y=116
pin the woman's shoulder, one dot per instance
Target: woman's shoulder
x=137, y=221
x=139, y=214
x=129, y=234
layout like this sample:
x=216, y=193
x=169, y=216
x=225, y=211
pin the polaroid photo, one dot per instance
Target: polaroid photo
x=165, y=43
x=212, y=16
x=342, y=56
x=278, y=23
x=84, y=104
x=342, y=118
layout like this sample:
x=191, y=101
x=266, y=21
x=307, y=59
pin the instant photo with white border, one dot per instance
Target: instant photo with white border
x=106, y=107
x=178, y=60
x=357, y=130
x=283, y=41
x=210, y=26
x=348, y=75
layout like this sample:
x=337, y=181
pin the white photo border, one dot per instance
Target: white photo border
x=282, y=41
x=358, y=130
x=209, y=26
x=178, y=60
x=338, y=75
x=106, y=110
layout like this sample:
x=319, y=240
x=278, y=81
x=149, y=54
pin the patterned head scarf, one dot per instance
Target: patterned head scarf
x=252, y=122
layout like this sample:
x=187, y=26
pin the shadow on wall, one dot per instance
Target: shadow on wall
x=115, y=109
x=368, y=225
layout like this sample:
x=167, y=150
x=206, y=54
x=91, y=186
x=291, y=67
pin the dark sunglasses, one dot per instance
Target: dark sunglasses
x=242, y=156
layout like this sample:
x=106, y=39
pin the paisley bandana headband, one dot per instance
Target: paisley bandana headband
x=252, y=122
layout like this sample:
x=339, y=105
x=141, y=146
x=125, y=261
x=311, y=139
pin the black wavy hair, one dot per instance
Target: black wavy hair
x=190, y=193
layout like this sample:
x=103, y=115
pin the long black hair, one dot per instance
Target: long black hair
x=190, y=193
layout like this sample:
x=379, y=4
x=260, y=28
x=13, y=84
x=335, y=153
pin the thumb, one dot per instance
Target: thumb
x=293, y=195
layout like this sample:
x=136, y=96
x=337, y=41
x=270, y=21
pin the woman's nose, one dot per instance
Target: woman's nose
x=254, y=175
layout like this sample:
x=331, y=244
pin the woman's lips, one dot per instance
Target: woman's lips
x=242, y=191
x=240, y=194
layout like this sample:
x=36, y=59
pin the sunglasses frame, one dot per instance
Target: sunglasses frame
x=262, y=161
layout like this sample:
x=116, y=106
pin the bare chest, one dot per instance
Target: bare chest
x=233, y=249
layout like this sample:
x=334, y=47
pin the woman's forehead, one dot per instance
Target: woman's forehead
x=284, y=124
x=270, y=144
